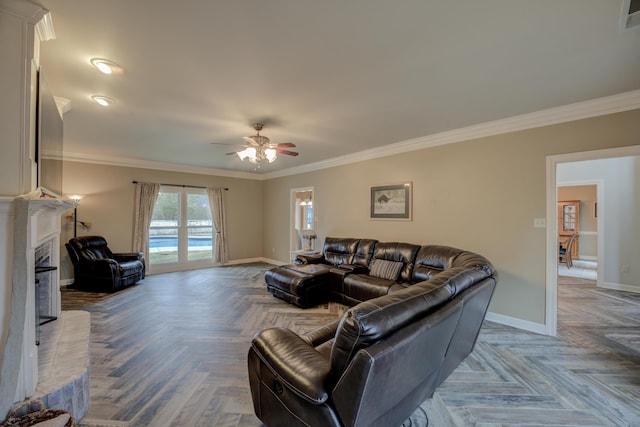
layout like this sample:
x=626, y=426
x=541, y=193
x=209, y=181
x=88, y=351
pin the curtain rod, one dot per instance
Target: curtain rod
x=182, y=185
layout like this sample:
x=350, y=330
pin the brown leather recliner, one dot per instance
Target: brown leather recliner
x=96, y=268
x=383, y=358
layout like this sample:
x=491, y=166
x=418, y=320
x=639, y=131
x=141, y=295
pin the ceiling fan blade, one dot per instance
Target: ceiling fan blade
x=250, y=140
x=232, y=153
x=285, y=144
x=287, y=152
x=227, y=143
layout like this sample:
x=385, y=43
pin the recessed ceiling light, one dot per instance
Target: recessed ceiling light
x=107, y=67
x=105, y=101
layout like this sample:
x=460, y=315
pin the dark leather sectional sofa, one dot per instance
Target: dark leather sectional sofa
x=416, y=314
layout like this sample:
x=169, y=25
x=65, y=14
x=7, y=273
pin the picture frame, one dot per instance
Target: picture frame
x=392, y=201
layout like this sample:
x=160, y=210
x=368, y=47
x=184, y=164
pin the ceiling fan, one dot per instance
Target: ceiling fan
x=259, y=147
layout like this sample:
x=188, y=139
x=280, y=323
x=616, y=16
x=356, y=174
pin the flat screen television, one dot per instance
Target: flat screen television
x=49, y=138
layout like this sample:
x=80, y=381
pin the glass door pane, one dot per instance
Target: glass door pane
x=199, y=228
x=164, y=229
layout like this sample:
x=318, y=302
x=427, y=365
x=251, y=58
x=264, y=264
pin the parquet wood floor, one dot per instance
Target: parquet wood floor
x=171, y=351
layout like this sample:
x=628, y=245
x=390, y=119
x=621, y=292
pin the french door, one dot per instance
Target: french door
x=181, y=231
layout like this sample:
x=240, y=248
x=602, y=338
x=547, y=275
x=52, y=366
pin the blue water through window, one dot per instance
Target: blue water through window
x=172, y=242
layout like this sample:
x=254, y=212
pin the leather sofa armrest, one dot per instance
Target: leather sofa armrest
x=309, y=259
x=295, y=363
x=322, y=334
x=354, y=269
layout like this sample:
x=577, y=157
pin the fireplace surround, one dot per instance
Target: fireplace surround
x=32, y=223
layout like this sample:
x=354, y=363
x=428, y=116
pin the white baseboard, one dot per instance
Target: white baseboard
x=588, y=258
x=66, y=282
x=243, y=261
x=537, y=328
x=250, y=260
x=274, y=262
x=620, y=287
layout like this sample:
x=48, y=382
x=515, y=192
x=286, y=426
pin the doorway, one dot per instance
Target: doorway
x=578, y=213
x=302, y=224
x=606, y=266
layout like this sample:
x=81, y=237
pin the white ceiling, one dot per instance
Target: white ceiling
x=333, y=76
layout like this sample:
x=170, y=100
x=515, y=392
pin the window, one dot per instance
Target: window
x=181, y=230
x=630, y=14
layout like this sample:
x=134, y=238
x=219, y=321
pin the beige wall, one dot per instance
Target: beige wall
x=108, y=205
x=480, y=195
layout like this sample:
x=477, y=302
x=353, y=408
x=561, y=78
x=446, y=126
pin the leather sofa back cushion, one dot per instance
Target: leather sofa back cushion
x=456, y=279
x=395, y=251
x=432, y=259
x=372, y=320
x=364, y=252
x=339, y=250
x=384, y=269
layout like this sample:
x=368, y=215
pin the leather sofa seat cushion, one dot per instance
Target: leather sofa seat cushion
x=374, y=319
x=294, y=280
x=361, y=287
x=309, y=269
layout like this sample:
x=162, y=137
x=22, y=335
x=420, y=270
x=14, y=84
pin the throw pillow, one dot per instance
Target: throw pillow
x=385, y=269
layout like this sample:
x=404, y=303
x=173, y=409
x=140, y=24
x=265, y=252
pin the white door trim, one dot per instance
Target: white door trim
x=551, y=315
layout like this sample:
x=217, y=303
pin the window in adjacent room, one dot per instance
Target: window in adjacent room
x=181, y=230
x=630, y=14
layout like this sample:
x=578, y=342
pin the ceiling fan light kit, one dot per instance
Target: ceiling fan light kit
x=260, y=148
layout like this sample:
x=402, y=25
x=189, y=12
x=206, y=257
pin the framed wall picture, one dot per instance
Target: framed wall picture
x=391, y=201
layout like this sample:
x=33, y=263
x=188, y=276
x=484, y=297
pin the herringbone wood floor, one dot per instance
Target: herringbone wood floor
x=171, y=351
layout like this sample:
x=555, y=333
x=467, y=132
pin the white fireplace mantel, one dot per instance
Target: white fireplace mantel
x=43, y=224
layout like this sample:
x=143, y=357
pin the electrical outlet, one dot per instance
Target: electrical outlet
x=624, y=268
x=539, y=222
x=273, y=250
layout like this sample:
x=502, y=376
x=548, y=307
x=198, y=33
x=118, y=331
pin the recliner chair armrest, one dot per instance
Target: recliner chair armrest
x=294, y=362
x=101, y=267
x=128, y=256
x=322, y=334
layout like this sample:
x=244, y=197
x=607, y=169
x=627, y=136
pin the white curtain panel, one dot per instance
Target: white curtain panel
x=145, y=200
x=216, y=202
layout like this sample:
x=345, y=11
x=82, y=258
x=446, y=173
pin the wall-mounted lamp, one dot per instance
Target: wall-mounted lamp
x=76, y=198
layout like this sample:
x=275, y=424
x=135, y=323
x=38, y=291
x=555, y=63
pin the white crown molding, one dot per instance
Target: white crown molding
x=146, y=164
x=578, y=111
x=26, y=10
x=581, y=110
x=63, y=104
x=44, y=27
